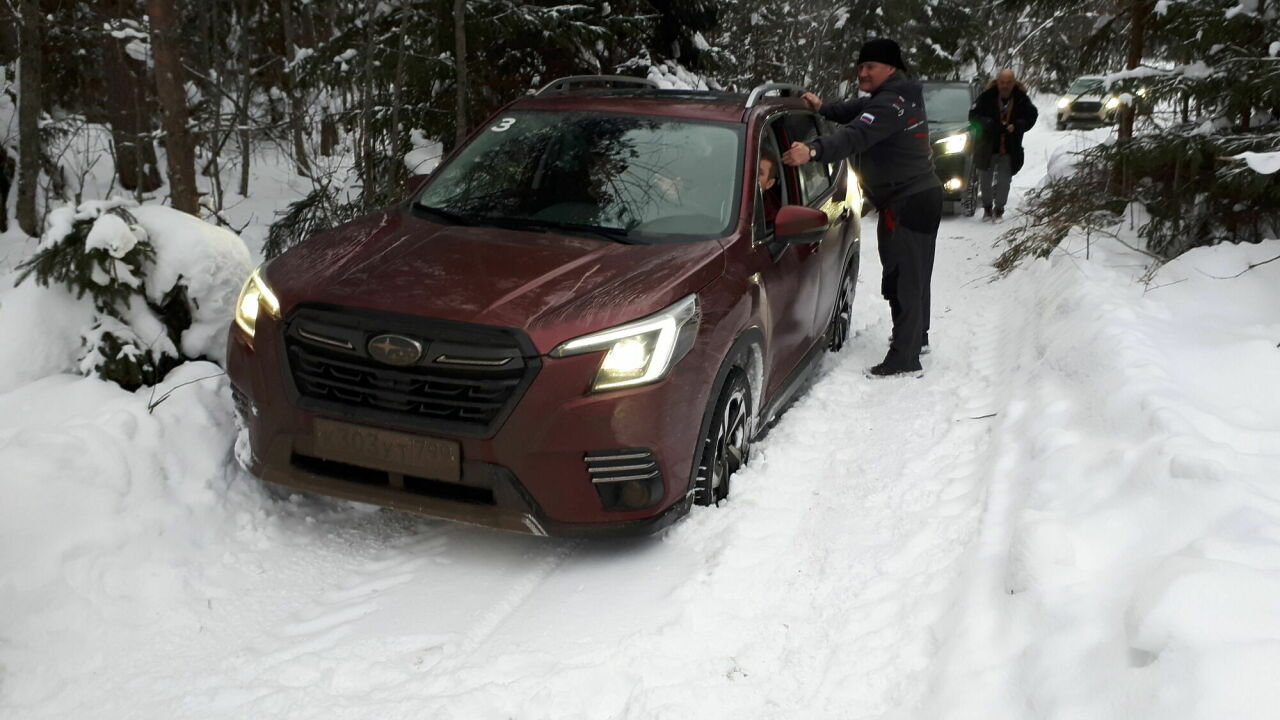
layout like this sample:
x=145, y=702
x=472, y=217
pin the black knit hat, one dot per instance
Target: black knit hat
x=882, y=51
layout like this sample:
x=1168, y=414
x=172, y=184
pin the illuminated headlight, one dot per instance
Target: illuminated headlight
x=1113, y=102
x=642, y=351
x=953, y=184
x=953, y=144
x=254, y=296
x=1142, y=92
x=1064, y=103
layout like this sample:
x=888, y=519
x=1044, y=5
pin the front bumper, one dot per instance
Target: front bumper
x=530, y=475
x=953, y=173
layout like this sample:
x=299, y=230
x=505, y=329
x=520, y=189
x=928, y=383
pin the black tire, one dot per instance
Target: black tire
x=727, y=445
x=842, y=314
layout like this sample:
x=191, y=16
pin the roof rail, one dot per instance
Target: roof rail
x=759, y=91
x=565, y=84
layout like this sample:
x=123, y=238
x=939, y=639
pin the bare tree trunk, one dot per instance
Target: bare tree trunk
x=460, y=65
x=245, y=94
x=291, y=93
x=396, y=170
x=30, y=62
x=365, y=157
x=127, y=111
x=1139, y=12
x=179, y=144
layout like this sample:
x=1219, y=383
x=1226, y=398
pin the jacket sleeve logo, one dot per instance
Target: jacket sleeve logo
x=867, y=118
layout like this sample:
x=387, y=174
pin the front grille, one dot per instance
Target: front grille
x=1086, y=107
x=466, y=380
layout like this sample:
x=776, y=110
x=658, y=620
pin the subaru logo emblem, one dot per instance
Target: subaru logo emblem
x=395, y=349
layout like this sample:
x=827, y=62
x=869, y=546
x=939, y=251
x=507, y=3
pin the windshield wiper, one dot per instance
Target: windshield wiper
x=620, y=235
x=450, y=217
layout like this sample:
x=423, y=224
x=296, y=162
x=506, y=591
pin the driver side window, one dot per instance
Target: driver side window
x=770, y=184
x=815, y=177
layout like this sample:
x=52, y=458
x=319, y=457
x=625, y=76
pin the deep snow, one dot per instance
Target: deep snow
x=1074, y=514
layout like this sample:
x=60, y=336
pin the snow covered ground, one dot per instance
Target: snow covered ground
x=1074, y=514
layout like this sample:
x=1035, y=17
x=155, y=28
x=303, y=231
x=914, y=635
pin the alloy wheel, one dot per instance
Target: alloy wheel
x=842, y=319
x=728, y=442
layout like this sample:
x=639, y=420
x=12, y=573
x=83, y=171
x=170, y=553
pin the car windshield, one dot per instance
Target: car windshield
x=632, y=177
x=1083, y=86
x=946, y=103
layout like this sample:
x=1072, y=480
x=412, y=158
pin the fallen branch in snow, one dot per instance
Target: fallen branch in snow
x=153, y=403
x=1251, y=266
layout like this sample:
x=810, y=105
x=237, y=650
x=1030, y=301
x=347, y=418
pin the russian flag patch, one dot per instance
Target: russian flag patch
x=867, y=118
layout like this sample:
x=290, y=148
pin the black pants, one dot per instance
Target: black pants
x=907, y=235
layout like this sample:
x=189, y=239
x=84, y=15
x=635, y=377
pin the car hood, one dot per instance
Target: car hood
x=939, y=129
x=552, y=286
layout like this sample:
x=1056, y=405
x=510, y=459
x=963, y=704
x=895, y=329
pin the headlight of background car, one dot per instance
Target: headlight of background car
x=641, y=351
x=1064, y=103
x=953, y=144
x=1113, y=102
x=254, y=296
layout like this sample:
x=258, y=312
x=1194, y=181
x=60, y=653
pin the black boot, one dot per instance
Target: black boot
x=986, y=212
x=999, y=213
x=893, y=366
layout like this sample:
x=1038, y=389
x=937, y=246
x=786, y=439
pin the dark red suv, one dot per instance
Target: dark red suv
x=575, y=326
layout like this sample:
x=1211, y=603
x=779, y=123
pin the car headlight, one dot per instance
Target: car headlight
x=1113, y=102
x=641, y=351
x=953, y=144
x=254, y=296
x=1064, y=103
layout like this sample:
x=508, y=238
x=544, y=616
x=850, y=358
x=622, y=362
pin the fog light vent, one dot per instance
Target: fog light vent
x=625, y=478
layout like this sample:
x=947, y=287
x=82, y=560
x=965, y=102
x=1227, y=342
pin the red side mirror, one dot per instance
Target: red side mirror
x=798, y=220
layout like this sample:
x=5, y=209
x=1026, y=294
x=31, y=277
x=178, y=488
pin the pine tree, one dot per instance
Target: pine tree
x=1211, y=74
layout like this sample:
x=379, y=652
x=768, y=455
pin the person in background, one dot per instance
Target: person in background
x=890, y=131
x=1001, y=114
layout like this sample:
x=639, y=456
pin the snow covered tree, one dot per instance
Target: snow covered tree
x=161, y=282
x=1211, y=77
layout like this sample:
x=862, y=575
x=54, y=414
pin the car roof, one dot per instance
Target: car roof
x=712, y=105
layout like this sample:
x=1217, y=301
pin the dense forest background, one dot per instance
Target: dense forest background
x=182, y=99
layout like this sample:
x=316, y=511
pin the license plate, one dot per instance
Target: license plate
x=388, y=450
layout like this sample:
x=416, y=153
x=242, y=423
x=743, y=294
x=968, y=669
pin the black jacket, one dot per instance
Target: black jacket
x=891, y=132
x=991, y=133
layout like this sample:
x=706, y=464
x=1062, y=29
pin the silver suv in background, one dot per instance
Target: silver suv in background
x=1087, y=101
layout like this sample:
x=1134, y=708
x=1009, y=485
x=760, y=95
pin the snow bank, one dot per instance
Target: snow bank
x=1129, y=563
x=41, y=328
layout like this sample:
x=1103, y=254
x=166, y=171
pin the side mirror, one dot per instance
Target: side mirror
x=800, y=224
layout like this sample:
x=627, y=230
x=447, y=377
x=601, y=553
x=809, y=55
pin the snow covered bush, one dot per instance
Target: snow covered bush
x=162, y=284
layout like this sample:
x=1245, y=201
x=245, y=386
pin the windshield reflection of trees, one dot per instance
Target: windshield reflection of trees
x=610, y=171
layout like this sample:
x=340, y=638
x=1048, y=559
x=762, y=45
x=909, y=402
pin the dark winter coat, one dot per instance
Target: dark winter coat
x=890, y=131
x=992, y=136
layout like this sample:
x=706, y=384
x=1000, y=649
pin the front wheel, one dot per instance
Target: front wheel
x=842, y=315
x=727, y=445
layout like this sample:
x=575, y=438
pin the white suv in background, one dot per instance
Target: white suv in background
x=1087, y=101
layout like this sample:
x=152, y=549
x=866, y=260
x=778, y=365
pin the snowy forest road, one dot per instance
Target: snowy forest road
x=823, y=588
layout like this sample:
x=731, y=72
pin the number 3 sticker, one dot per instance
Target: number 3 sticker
x=503, y=125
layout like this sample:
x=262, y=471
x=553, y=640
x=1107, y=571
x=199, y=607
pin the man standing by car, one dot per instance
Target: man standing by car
x=891, y=132
x=1003, y=112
